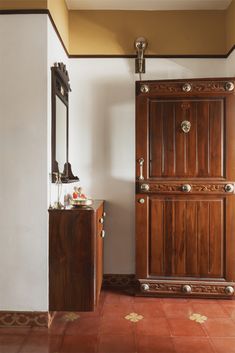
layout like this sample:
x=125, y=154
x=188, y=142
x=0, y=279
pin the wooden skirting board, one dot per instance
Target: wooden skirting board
x=119, y=280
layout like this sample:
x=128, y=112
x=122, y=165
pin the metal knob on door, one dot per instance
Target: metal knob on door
x=229, y=188
x=144, y=187
x=102, y=234
x=141, y=201
x=145, y=287
x=187, y=288
x=186, y=188
x=229, y=290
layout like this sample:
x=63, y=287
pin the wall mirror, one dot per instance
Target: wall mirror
x=60, y=124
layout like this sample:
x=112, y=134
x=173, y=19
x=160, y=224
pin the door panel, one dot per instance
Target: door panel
x=186, y=237
x=198, y=153
x=185, y=187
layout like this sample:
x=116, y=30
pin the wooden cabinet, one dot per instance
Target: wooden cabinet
x=76, y=257
x=185, y=187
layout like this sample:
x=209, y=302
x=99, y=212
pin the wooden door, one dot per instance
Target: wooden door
x=185, y=180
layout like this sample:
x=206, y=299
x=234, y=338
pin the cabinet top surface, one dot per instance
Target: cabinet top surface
x=95, y=206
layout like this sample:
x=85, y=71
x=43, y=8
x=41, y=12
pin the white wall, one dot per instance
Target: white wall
x=230, y=65
x=55, y=54
x=23, y=161
x=102, y=138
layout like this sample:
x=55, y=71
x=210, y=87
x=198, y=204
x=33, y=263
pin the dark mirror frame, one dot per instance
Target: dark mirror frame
x=60, y=87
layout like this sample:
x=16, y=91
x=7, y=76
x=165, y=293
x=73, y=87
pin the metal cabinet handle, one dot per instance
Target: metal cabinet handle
x=102, y=234
x=145, y=187
x=186, y=188
x=101, y=220
x=104, y=214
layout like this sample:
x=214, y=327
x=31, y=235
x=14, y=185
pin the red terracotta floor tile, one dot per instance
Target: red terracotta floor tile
x=11, y=343
x=153, y=344
x=112, y=297
x=121, y=309
x=147, y=300
x=202, y=301
x=36, y=343
x=220, y=327
x=116, y=344
x=153, y=326
x=185, y=327
x=192, y=344
x=84, y=326
x=127, y=296
x=149, y=310
x=15, y=330
x=117, y=297
x=79, y=344
x=177, y=310
x=113, y=325
x=175, y=300
x=212, y=310
x=229, y=307
x=224, y=345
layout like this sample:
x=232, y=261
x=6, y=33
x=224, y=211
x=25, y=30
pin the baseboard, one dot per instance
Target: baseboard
x=44, y=319
x=25, y=319
x=119, y=280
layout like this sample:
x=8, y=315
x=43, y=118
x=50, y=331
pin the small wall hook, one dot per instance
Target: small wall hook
x=140, y=45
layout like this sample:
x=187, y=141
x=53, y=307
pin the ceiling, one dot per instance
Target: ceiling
x=148, y=4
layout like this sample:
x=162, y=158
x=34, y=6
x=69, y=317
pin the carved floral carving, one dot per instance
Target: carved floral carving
x=195, y=187
x=196, y=86
x=196, y=288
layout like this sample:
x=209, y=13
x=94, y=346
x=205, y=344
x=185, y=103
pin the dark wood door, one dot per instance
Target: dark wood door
x=185, y=175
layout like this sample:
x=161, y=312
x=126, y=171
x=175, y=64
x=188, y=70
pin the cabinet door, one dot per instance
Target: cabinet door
x=185, y=175
x=71, y=260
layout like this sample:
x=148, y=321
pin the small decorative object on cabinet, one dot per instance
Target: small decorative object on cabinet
x=76, y=257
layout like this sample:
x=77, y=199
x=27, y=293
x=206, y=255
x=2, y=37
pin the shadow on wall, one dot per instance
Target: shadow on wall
x=112, y=168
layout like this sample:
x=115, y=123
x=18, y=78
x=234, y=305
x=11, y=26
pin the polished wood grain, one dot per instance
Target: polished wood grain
x=185, y=237
x=75, y=258
x=195, y=154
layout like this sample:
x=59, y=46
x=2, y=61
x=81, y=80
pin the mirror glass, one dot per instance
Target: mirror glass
x=60, y=89
x=61, y=138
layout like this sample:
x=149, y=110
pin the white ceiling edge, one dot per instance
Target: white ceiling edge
x=148, y=5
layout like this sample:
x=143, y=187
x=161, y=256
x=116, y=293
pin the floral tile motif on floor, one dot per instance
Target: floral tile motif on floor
x=198, y=318
x=134, y=317
x=71, y=317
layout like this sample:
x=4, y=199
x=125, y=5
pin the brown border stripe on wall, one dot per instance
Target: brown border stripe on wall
x=25, y=319
x=84, y=56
